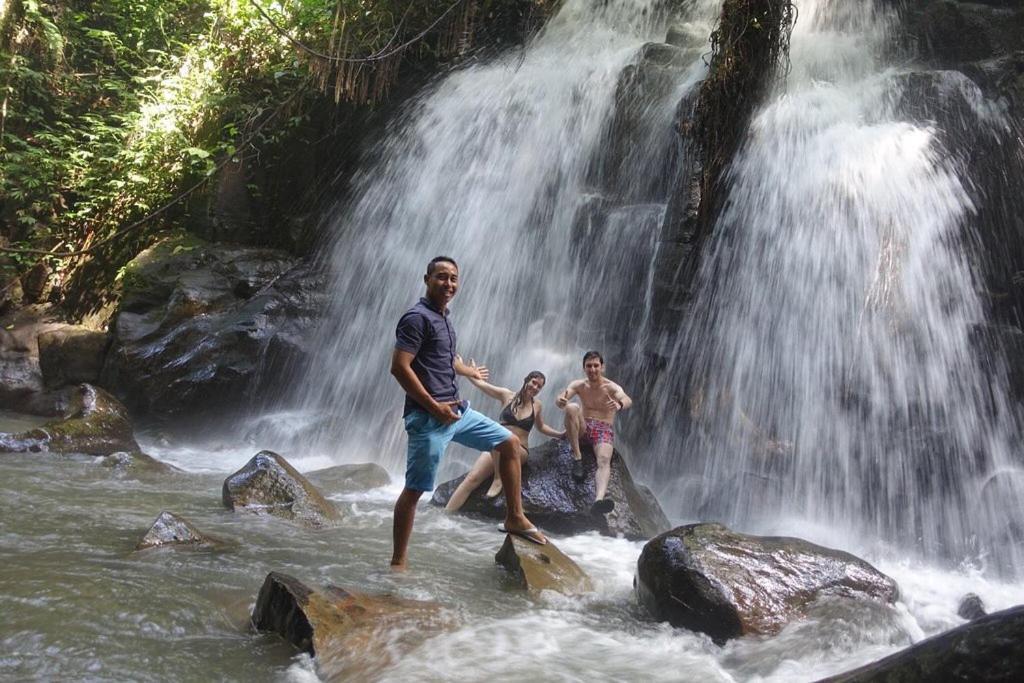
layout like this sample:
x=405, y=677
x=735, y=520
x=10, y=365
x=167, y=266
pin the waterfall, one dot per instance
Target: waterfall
x=520, y=169
x=826, y=376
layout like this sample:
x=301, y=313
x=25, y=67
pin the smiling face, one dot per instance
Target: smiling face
x=593, y=368
x=533, y=386
x=442, y=283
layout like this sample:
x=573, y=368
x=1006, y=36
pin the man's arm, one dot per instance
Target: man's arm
x=401, y=368
x=619, y=396
x=570, y=391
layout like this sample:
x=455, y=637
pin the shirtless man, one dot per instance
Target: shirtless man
x=601, y=399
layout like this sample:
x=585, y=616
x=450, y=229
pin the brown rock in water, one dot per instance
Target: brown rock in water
x=268, y=484
x=707, y=578
x=123, y=462
x=986, y=649
x=556, y=502
x=169, y=529
x=71, y=355
x=94, y=423
x=358, y=477
x=353, y=636
x=541, y=567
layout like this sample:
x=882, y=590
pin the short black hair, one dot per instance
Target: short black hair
x=593, y=354
x=440, y=259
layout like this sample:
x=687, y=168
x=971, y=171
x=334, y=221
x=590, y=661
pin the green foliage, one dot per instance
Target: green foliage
x=111, y=107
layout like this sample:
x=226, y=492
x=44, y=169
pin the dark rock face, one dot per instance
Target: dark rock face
x=71, y=355
x=202, y=327
x=350, y=477
x=987, y=649
x=95, y=423
x=707, y=578
x=268, y=484
x=556, y=502
x=971, y=607
x=353, y=636
x=541, y=567
x=170, y=529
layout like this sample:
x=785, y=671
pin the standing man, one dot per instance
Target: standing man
x=425, y=364
x=601, y=399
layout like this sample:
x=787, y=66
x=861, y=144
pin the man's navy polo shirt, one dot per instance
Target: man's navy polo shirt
x=427, y=333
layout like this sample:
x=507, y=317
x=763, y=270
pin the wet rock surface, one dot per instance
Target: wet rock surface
x=986, y=649
x=94, y=423
x=556, y=502
x=345, y=478
x=971, y=607
x=171, y=530
x=541, y=567
x=71, y=354
x=21, y=378
x=204, y=326
x=705, y=577
x=136, y=462
x=352, y=635
x=268, y=484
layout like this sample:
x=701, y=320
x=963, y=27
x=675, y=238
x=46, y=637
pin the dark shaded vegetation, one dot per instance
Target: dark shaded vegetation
x=112, y=110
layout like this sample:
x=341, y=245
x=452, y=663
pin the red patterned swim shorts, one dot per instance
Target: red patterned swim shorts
x=599, y=431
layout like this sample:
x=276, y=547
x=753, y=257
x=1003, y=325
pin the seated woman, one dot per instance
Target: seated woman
x=520, y=412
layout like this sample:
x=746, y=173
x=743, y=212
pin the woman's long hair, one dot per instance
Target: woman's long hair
x=517, y=400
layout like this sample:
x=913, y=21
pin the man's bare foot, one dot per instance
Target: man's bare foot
x=399, y=566
x=495, y=489
x=523, y=527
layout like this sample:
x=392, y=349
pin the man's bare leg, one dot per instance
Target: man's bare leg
x=574, y=426
x=603, y=454
x=510, y=464
x=405, y=515
x=480, y=471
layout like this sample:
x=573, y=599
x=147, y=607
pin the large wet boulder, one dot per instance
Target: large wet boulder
x=268, y=484
x=349, y=478
x=541, y=567
x=201, y=326
x=556, y=502
x=21, y=379
x=986, y=649
x=71, y=354
x=168, y=529
x=94, y=423
x=353, y=636
x=705, y=577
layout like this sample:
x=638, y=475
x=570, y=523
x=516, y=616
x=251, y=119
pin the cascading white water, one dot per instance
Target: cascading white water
x=505, y=166
x=828, y=363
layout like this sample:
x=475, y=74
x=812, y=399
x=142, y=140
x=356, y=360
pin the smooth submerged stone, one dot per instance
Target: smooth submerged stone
x=268, y=484
x=170, y=529
x=137, y=461
x=986, y=649
x=354, y=636
x=556, y=502
x=359, y=477
x=707, y=578
x=971, y=607
x=541, y=567
x=94, y=423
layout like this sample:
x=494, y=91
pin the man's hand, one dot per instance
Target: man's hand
x=445, y=413
x=563, y=400
x=610, y=402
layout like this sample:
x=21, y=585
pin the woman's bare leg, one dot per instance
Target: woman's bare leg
x=495, y=489
x=479, y=472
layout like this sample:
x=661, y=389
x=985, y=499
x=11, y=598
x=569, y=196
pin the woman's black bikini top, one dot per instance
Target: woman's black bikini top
x=508, y=419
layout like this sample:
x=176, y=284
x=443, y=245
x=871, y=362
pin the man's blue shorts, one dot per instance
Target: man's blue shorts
x=428, y=440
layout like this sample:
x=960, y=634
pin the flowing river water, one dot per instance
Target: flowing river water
x=828, y=343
